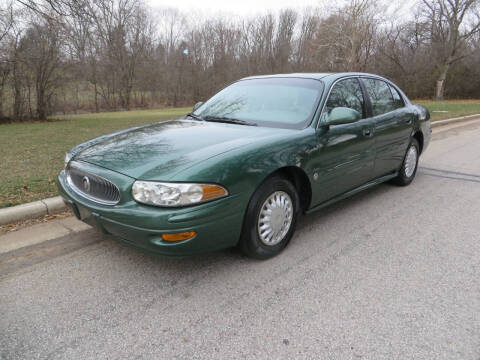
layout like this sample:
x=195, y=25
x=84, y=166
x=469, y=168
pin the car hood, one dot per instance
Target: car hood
x=158, y=151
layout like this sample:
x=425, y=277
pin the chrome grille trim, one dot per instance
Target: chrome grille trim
x=101, y=190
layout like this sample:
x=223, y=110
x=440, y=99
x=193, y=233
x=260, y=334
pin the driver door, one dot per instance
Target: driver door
x=345, y=153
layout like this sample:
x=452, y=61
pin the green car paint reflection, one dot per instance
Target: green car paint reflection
x=278, y=146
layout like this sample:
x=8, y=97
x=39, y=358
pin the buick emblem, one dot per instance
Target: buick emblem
x=86, y=184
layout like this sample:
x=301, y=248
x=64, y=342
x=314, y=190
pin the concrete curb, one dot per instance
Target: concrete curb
x=454, y=120
x=40, y=233
x=32, y=210
x=54, y=205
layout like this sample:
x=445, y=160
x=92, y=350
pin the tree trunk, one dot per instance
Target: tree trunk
x=17, y=101
x=1, y=104
x=3, y=84
x=77, y=98
x=440, y=85
x=17, y=91
x=97, y=108
x=41, y=106
x=29, y=97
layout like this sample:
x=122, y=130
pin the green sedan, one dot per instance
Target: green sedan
x=243, y=166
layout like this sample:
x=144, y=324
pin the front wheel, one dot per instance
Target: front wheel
x=409, y=167
x=270, y=219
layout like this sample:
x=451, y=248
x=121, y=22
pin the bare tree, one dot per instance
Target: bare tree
x=62, y=55
x=347, y=37
x=18, y=75
x=6, y=24
x=111, y=43
x=56, y=10
x=403, y=54
x=304, y=54
x=453, y=23
x=40, y=51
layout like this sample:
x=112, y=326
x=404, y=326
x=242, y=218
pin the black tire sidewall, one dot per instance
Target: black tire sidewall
x=250, y=243
x=403, y=178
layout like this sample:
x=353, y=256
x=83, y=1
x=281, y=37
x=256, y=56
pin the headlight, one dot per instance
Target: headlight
x=68, y=157
x=175, y=194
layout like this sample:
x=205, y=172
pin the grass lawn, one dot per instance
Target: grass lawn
x=32, y=153
x=440, y=110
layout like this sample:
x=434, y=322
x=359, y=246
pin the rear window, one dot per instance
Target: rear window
x=397, y=98
x=380, y=95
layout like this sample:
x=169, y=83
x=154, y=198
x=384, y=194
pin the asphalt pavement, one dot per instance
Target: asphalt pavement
x=391, y=273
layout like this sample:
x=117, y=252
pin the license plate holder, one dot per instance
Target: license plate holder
x=84, y=213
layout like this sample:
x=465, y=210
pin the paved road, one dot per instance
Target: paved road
x=393, y=273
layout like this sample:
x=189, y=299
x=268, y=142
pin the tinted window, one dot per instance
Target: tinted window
x=380, y=96
x=346, y=93
x=397, y=99
x=276, y=102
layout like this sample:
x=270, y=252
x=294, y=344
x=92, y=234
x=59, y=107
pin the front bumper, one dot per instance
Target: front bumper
x=217, y=224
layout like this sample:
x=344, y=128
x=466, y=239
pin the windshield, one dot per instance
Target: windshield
x=276, y=102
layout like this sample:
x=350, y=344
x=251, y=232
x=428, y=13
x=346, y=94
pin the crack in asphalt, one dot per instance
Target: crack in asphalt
x=451, y=177
x=448, y=174
x=449, y=171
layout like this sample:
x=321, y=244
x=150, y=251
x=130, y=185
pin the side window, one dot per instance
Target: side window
x=397, y=99
x=380, y=96
x=346, y=93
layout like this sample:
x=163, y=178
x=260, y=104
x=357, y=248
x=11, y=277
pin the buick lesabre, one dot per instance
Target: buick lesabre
x=243, y=166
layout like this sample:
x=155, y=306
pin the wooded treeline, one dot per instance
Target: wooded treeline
x=94, y=55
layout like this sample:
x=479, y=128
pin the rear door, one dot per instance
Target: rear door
x=344, y=156
x=393, y=125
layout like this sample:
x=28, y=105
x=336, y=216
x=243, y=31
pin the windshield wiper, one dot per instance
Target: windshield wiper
x=195, y=117
x=228, y=120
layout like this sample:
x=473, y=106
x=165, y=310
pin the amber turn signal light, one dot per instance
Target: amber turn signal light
x=213, y=192
x=179, y=236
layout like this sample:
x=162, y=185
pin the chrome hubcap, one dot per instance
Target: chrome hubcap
x=410, y=161
x=275, y=218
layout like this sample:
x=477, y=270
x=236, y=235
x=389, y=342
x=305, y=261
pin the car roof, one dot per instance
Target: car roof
x=328, y=79
x=315, y=76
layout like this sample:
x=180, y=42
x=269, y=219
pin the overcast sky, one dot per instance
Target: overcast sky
x=206, y=8
x=243, y=7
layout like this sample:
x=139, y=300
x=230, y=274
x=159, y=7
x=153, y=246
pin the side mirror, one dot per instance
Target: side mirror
x=343, y=115
x=197, y=105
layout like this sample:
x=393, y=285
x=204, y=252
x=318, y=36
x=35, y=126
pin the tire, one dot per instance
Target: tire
x=256, y=241
x=407, y=173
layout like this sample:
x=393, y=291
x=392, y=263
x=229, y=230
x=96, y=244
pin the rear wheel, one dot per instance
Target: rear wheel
x=270, y=219
x=410, y=163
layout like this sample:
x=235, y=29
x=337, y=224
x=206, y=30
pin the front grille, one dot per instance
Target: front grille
x=92, y=186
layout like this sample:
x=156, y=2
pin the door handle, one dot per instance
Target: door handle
x=367, y=132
